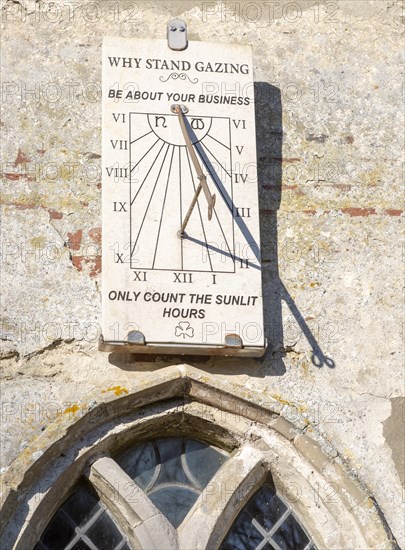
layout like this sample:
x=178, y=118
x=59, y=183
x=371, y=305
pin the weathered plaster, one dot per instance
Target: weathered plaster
x=330, y=225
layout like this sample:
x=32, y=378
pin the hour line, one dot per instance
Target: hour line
x=238, y=220
x=214, y=178
x=181, y=210
x=150, y=200
x=222, y=231
x=163, y=209
x=141, y=159
x=137, y=139
x=153, y=163
x=212, y=154
x=217, y=140
x=218, y=183
x=199, y=211
x=223, y=234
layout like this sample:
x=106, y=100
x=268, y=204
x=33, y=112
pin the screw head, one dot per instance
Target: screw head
x=182, y=29
x=173, y=28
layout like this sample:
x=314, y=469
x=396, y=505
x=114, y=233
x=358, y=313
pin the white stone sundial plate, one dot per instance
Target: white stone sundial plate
x=200, y=294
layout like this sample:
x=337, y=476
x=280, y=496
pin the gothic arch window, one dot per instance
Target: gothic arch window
x=172, y=473
x=182, y=463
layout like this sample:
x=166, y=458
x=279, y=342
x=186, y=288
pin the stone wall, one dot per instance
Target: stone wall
x=331, y=176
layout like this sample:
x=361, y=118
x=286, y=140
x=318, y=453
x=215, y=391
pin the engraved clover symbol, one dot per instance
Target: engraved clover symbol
x=184, y=329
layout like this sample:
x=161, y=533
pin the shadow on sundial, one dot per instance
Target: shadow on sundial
x=269, y=138
x=220, y=187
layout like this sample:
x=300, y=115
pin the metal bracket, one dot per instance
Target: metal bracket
x=177, y=34
x=135, y=343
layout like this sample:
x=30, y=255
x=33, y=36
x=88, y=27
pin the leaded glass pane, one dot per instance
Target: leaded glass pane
x=60, y=530
x=174, y=502
x=266, y=508
x=81, y=506
x=169, y=452
x=82, y=523
x=80, y=545
x=140, y=464
x=267, y=522
x=173, y=472
x=202, y=461
x=243, y=536
x=291, y=535
x=104, y=533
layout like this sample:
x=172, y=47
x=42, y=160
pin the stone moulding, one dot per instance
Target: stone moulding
x=336, y=509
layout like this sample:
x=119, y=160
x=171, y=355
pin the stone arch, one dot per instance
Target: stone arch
x=180, y=400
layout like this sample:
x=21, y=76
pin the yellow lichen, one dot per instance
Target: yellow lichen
x=280, y=399
x=305, y=367
x=118, y=390
x=347, y=453
x=38, y=242
x=73, y=409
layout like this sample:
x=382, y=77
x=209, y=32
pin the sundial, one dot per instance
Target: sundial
x=181, y=271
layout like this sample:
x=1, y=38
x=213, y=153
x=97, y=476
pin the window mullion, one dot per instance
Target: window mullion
x=222, y=499
x=131, y=507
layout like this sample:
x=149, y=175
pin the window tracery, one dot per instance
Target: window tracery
x=254, y=443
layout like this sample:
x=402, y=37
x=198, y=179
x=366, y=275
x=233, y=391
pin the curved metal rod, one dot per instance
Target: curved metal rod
x=201, y=176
